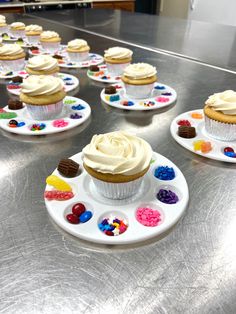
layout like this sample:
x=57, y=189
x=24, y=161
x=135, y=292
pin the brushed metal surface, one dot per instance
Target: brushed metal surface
x=191, y=269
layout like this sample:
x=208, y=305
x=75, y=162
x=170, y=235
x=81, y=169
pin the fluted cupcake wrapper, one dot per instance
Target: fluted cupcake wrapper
x=116, y=68
x=3, y=29
x=46, y=112
x=117, y=190
x=139, y=91
x=13, y=65
x=78, y=56
x=50, y=47
x=33, y=39
x=220, y=131
x=18, y=33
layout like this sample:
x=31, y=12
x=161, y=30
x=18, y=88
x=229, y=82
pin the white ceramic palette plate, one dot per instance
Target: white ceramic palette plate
x=103, y=75
x=70, y=82
x=217, y=152
x=101, y=207
x=11, y=74
x=94, y=59
x=162, y=96
x=72, y=106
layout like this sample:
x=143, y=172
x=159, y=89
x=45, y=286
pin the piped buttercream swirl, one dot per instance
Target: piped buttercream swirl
x=225, y=102
x=118, y=53
x=140, y=71
x=36, y=85
x=10, y=50
x=42, y=63
x=2, y=19
x=117, y=153
x=77, y=44
x=17, y=25
x=49, y=35
x=34, y=28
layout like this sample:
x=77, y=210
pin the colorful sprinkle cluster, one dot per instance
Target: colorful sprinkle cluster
x=184, y=123
x=167, y=196
x=7, y=73
x=229, y=152
x=164, y=173
x=113, y=226
x=79, y=214
x=127, y=103
x=75, y=116
x=162, y=99
x=78, y=107
x=60, y=123
x=15, y=124
x=37, y=127
x=196, y=115
x=68, y=81
x=147, y=103
x=58, y=195
x=203, y=146
x=148, y=217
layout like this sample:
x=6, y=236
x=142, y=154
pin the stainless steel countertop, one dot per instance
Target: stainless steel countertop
x=189, y=270
x=207, y=42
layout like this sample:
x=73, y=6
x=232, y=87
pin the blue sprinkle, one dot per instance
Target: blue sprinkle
x=164, y=173
x=114, y=97
x=230, y=154
x=130, y=103
x=20, y=124
x=78, y=107
x=159, y=87
x=67, y=79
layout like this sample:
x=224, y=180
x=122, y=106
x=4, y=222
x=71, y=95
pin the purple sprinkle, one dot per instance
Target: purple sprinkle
x=166, y=94
x=167, y=196
x=75, y=116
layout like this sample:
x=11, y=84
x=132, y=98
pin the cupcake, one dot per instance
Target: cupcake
x=117, y=59
x=220, y=115
x=50, y=41
x=42, y=65
x=78, y=50
x=32, y=33
x=3, y=24
x=17, y=29
x=139, y=79
x=43, y=95
x=12, y=57
x=117, y=163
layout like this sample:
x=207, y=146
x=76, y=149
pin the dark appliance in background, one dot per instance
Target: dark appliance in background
x=147, y=6
x=44, y=6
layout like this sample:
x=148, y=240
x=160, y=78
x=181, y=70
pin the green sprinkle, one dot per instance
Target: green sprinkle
x=7, y=115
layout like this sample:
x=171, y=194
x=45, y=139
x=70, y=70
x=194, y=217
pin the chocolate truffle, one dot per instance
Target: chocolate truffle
x=14, y=104
x=68, y=168
x=109, y=90
x=58, y=57
x=17, y=79
x=187, y=131
x=94, y=68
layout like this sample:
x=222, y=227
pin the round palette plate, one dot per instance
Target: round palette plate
x=85, y=192
x=11, y=74
x=71, y=106
x=217, y=152
x=162, y=96
x=103, y=76
x=70, y=82
x=94, y=59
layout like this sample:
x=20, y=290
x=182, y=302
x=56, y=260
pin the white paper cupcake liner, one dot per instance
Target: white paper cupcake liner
x=78, y=56
x=139, y=91
x=18, y=33
x=46, y=112
x=50, y=47
x=116, y=69
x=117, y=191
x=3, y=29
x=220, y=131
x=13, y=65
x=34, y=40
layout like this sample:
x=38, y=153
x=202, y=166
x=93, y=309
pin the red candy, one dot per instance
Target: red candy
x=184, y=123
x=13, y=86
x=78, y=209
x=109, y=233
x=73, y=219
x=58, y=195
x=228, y=149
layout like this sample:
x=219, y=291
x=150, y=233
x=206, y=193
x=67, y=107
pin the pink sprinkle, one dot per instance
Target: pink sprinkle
x=148, y=217
x=162, y=99
x=2, y=110
x=61, y=123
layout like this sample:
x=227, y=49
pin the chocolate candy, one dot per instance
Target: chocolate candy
x=109, y=90
x=33, y=48
x=68, y=167
x=187, y=131
x=58, y=57
x=17, y=79
x=94, y=68
x=14, y=104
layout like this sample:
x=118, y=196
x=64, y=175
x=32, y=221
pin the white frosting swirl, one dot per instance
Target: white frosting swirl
x=17, y=25
x=36, y=85
x=118, y=53
x=2, y=19
x=33, y=28
x=49, y=34
x=225, y=102
x=117, y=153
x=77, y=44
x=140, y=70
x=42, y=63
x=10, y=49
